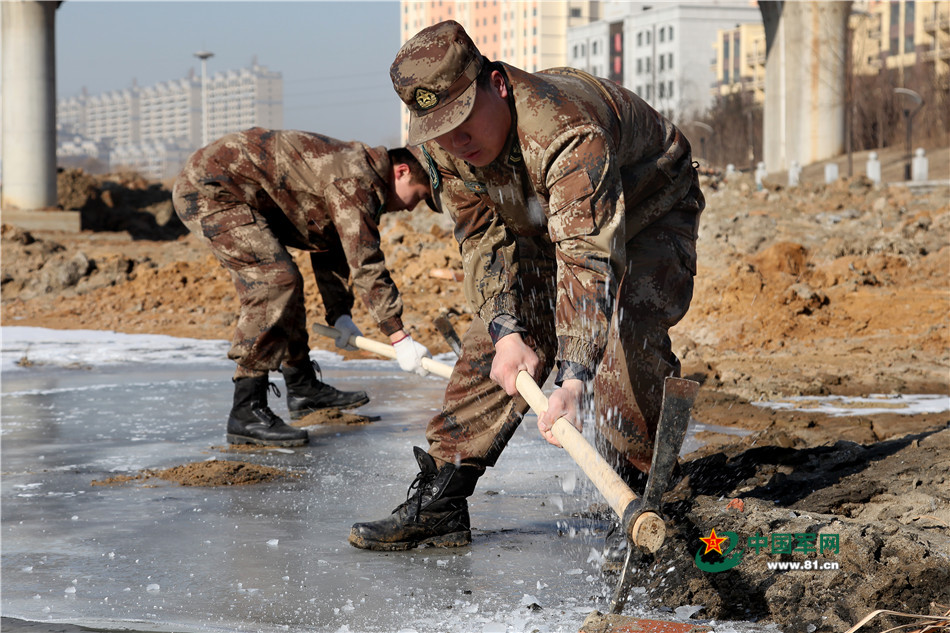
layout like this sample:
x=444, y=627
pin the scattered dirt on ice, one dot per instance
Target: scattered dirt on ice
x=206, y=473
x=332, y=416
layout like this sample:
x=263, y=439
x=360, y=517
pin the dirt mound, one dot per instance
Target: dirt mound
x=823, y=534
x=120, y=202
x=206, y=473
x=219, y=473
x=816, y=288
x=330, y=417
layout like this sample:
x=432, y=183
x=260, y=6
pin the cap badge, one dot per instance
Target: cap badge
x=426, y=98
x=476, y=187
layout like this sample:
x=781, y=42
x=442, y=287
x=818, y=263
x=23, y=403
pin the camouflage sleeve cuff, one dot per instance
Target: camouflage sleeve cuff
x=579, y=351
x=391, y=325
x=503, y=303
x=503, y=325
x=568, y=370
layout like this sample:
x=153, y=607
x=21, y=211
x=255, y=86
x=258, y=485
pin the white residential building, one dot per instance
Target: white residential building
x=153, y=129
x=239, y=99
x=153, y=159
x=170, y=111
x=73, y=150
x=663, y=51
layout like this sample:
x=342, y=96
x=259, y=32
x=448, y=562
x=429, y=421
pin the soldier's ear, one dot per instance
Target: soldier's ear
x=400, y=171
x=498, y=84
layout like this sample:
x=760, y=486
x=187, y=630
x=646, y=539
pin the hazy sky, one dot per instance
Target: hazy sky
x=334, y=56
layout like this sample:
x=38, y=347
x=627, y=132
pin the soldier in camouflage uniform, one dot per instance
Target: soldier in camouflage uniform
x=252, y=195
x=576, y=208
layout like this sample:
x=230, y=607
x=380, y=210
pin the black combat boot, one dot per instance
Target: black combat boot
x=251, y=420
x=306, y=394
x=435, y=512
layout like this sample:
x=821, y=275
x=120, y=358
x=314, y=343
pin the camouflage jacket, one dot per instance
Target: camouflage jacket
x=318, y=194
x=587, y=166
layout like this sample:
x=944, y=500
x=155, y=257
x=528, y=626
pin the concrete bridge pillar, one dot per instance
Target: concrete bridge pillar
x=29, y=104
x=805, y=81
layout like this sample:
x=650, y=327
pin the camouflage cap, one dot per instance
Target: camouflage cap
x=434, y=74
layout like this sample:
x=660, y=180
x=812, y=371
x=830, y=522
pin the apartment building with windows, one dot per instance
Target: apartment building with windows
x=739, y=62
x=170, y=111
x=529, y=34
x=661, y=51
x=898, y=34
x=239, y=99
x=886, y=35
x=152, y=129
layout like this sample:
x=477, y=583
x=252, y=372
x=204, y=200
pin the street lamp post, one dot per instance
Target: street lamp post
x=706, y=129
x=909, y=115
x=203, y=56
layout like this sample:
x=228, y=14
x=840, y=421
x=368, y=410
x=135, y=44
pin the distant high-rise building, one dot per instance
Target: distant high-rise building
x=897, y=35
x=884, y=35
x=663, y=51
x=239, y=99
x=153, y=129
x=740, y=61
x=529, y=34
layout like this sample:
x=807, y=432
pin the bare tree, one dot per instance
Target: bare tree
x=879, y=120
x=736, y=136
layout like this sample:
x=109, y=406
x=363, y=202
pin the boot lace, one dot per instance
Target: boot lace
x=419, y=484
x=272, y=417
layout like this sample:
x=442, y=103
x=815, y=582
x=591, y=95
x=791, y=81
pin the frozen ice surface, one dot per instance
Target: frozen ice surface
x=270, y=557
x=876, y=403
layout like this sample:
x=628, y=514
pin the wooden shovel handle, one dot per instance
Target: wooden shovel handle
x=648, y=530
x=383, y=349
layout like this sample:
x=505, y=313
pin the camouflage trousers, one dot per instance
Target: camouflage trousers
x=272, y=323
x=478, y=418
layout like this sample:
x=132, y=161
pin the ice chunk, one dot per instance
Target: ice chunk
x=687, y=611
x=569, y=482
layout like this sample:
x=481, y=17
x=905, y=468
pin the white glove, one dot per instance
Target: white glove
x=346, y=328
x=409, y=353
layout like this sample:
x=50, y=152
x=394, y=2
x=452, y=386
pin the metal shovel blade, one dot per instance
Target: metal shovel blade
x=678, y=397
x=444, y=326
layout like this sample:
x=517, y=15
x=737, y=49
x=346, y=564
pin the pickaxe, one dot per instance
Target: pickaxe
x=640, y=517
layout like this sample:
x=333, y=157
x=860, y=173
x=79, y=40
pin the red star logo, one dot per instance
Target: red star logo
x=713, y=542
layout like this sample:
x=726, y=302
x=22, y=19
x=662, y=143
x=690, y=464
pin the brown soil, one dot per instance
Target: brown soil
x=206, y=473
x=818, y=290
x=331, y=417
